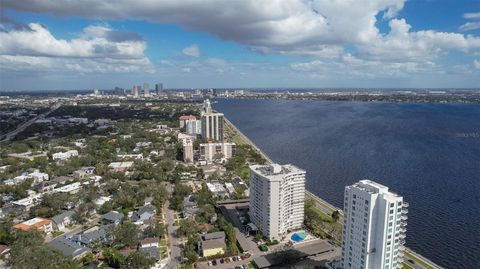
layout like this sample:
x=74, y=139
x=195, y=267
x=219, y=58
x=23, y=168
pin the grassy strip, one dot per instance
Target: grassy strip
x=408, y=255
x=321, y=215
x=312, y=196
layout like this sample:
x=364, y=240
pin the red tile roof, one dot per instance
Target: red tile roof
x=188, y=117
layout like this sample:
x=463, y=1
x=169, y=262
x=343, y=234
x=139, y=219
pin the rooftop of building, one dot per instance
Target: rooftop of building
x=32, y=223
x=373, y=187
x=276, y=169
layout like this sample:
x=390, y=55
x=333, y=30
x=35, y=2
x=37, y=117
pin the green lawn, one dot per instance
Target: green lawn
x=409, y=256
x=323, y=216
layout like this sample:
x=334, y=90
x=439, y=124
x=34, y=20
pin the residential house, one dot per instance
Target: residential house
x=212, y=244
x=143, y=213
x=84, y=172
x=153, y=252
x=46, y=186
x=93, y=237
x=113, y=217
x=62, y=221
x=149, y=242
x=68, y=247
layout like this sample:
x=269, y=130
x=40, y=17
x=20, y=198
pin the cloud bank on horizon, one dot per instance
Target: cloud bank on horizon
x=320, y=43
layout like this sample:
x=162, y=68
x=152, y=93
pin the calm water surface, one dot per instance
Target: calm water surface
x=428, y=153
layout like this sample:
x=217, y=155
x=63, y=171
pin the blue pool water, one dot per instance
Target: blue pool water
x=297, y=237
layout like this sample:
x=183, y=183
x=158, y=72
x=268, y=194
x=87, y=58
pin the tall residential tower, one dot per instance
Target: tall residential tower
x=374, y=227
x=212, y=123
x=277, y=196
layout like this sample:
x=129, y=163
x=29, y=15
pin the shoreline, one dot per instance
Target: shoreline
x=329, y=208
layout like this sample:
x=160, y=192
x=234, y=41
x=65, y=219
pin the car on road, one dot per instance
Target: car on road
x=411, y=261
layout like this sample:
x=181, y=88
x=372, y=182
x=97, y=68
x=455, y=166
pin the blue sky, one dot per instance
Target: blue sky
x=89, y=44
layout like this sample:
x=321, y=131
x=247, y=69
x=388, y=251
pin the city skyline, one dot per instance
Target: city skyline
x=384, y=43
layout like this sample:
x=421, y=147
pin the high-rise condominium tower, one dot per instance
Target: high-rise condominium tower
x=212, y=123
x=277, y=196
x=374, y=227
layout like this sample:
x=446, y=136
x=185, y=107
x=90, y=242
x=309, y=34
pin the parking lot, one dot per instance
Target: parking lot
x=235, y=262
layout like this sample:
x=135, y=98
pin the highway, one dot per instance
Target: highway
x=9, y=136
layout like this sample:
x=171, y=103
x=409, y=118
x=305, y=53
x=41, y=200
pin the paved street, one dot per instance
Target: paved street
x=175, y=250
x=24, y=126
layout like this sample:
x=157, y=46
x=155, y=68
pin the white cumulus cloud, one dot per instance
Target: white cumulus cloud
x=192, y=51
x=97, y=49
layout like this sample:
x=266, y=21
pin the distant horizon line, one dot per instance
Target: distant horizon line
x=252, y=88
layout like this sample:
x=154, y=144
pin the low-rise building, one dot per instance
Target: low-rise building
x=62, y=221
x=212, y=244
x=144, y=213
x=26, y=203
x=113, y=217
x=92, y=237
x=68, y=248
x=46, y=186
x=120, y=166
x=38, y=177
x=149, y=242
x=240, y=185
x=70, y=188
x=84, y=172
x=153, y=252
x=217, y=189
x=40, y=224
x=130, y=156
x=63, y=156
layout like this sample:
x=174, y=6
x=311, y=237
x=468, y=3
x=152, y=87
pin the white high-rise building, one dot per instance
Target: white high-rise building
x=210, y=151
x=277, y=196
x=188, y=150
x=193, y=126
x=374, y=227
x=212, y=123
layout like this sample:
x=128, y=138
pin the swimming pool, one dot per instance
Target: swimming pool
x=297, y=237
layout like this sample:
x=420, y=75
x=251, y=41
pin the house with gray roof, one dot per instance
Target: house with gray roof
x=153, y=252
x=113, y=217
x=61, y=221
x=143, y=213
x=90, y=238
x=68, y=247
